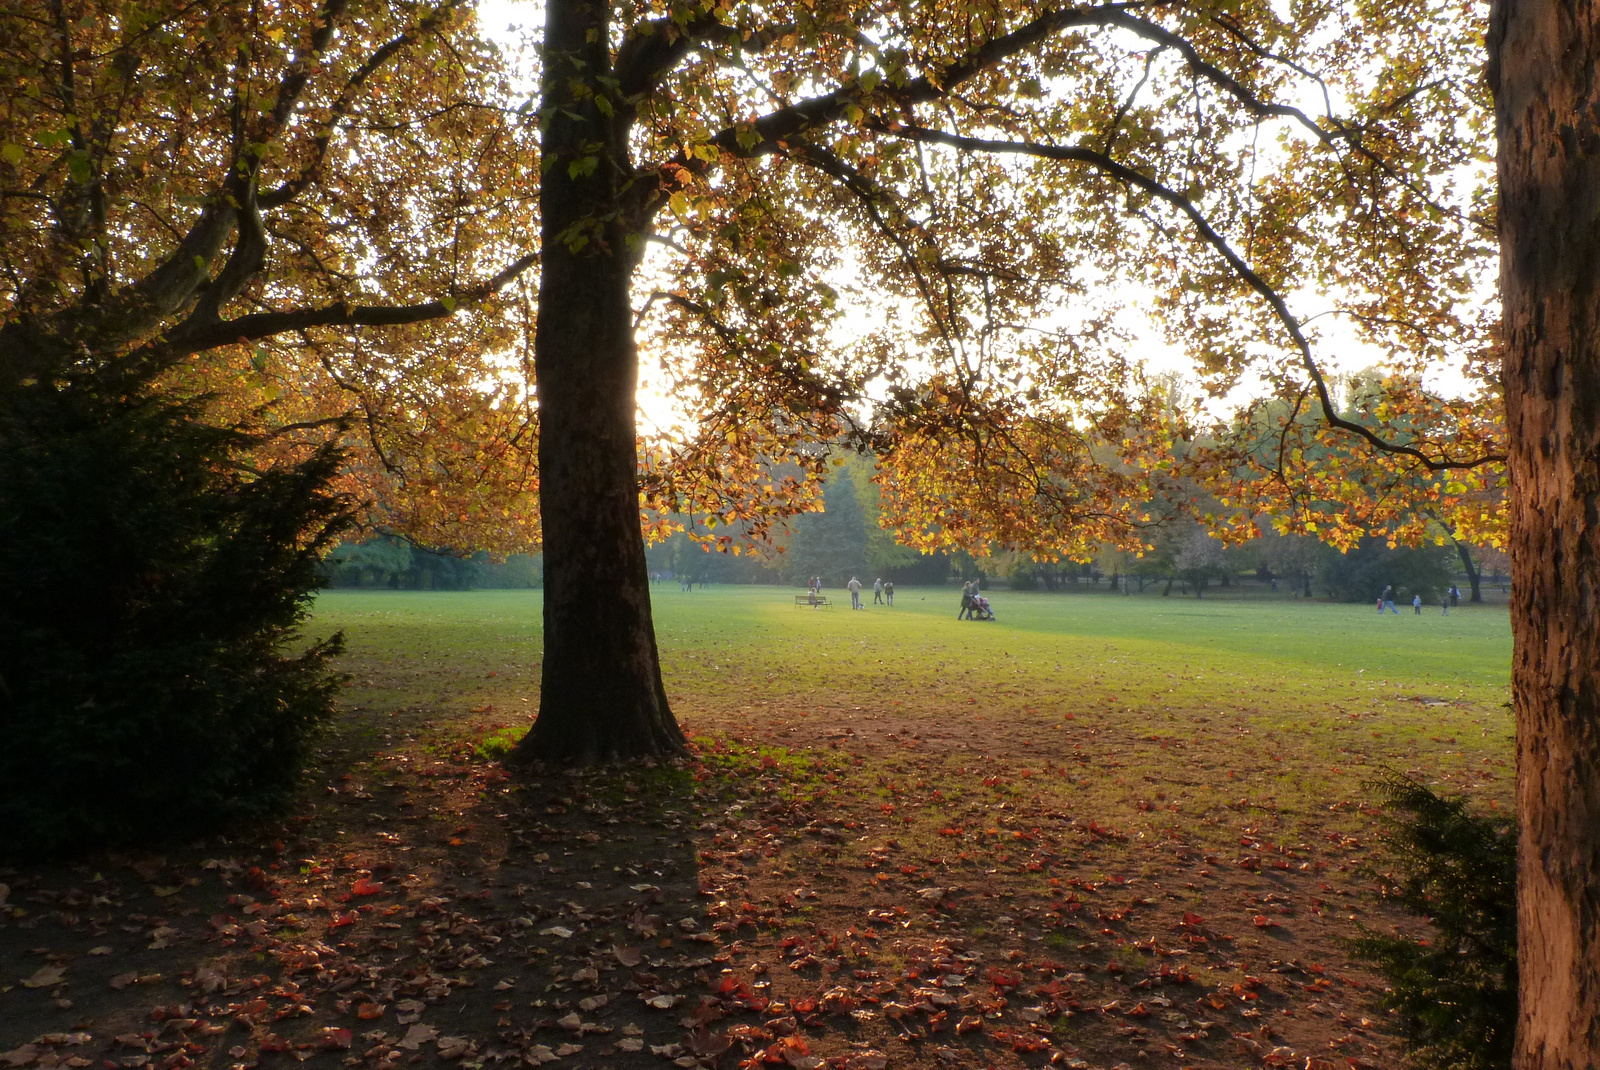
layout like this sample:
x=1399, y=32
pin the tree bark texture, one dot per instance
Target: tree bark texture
x=1545, y=71
x=601, y=696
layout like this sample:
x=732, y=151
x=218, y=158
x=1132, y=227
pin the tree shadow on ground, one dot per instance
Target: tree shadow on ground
x=756, y=904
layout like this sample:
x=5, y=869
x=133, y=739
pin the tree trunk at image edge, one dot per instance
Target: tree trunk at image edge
x=601, y=696
x=1545, y=58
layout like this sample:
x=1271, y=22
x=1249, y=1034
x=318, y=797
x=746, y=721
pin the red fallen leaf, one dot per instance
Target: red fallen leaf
x=1264, y=922
x=1192, y=920
x=273, y=1042
x=368, y=1011
x=971, y=1023
x=1138, y=1011
x=341, y=920
x=707, y=1011
x=335, y=1039
x=950, y=832
x=707, y=1044
x=629, y=956
x=804, y=1005
x=796, y=1052
x=366, y=886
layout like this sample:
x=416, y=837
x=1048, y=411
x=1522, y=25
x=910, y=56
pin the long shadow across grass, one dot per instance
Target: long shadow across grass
x=900, y=842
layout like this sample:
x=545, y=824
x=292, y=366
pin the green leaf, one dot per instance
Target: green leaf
x=11, y=153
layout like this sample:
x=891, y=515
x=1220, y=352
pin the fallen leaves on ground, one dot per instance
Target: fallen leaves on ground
x=897, y=896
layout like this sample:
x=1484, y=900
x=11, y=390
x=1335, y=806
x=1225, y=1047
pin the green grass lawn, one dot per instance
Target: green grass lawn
x=1289, y=705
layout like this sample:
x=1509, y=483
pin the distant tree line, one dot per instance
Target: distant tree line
x=384, y=561
x=845, y=539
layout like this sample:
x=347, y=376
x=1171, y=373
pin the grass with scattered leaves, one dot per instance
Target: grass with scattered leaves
x=1099, y=831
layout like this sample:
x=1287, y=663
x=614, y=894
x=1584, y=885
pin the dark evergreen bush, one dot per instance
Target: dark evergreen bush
x=1454, y=994
x=152, y=588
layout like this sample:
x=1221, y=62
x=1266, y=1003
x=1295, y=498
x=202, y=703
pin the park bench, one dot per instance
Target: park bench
x=805, y=600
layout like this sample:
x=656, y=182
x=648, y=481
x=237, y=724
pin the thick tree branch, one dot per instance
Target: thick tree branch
x=298, y=75
x=1128, y=176
x=171, y=284
x=654, y=47
x=766, y=134
x=249, y=254
x=197, y=337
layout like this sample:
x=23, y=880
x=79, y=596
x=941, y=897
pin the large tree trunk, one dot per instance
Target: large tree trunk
x=601, y=695
x=1545, y=59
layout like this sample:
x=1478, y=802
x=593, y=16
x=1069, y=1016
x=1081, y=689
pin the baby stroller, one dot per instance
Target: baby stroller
x=981, y=610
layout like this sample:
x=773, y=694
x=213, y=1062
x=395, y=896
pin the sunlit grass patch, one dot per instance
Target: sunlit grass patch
x=498, y=744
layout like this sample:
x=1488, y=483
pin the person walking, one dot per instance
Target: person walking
x=1455, y=595
x=877, y=592
x=855, y=592
x=1416, y=604
x=1388, y=600
x=1444, y=603
x=888, y=592
x=966, y=601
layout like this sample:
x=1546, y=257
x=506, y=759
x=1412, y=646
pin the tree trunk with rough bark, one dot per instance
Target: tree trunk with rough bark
x=601, y=696
x=1545, y=71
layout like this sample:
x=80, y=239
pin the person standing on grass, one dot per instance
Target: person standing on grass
x=1416, y=604
x=888, y=592
x=1388, y=600
x=855, y=592
x=877, y=592
x=1444, y=603
x=1455, y=595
